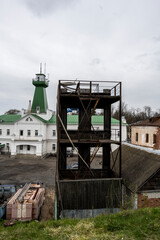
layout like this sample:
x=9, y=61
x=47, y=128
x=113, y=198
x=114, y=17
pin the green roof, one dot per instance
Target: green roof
x=73, y=119
x=96, y=119
x=52, y=119
x=2, y=145
x=9, y=118
x=39, y=118
x=39, y=100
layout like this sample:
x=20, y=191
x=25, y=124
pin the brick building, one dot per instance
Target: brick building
x=146, y=133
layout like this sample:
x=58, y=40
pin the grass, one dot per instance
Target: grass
x=143, y=224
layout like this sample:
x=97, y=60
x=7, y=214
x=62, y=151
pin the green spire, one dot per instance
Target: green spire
x=40, y=104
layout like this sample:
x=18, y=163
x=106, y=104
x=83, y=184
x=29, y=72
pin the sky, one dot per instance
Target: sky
x=117, y=40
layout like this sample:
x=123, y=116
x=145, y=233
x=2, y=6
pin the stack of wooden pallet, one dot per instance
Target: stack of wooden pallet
x=26, y=203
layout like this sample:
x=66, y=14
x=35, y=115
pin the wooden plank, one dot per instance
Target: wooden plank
x=91, y=194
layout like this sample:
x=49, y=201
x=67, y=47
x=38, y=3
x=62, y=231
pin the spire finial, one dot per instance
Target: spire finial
x=45, y=68
x=40, y=68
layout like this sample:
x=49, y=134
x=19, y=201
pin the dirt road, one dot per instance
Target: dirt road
x=27, y=169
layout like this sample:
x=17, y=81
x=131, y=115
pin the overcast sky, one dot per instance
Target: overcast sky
x=84, y=39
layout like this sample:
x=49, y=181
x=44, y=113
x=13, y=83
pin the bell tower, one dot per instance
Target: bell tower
x=40, y=103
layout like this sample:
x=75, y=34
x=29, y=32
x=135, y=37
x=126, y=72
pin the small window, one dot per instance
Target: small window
x=28, y=147
x=54, y=132
x=38, y=109
x=0, y=131
x=21, y=132
x=147, y=137
x=28, y=132
x=29, y=119
x=136, y=137
x=36, y=132
x=7, y=145
x=21, y=147
x=8, y=131
x=154, y=138
x=53, y=147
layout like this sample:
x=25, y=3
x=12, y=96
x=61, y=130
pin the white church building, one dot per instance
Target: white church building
x=34, y=131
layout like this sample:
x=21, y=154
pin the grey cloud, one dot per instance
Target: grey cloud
x=156, y=53
x=157, y=38
x=139, y=56
x=95, y=61
x=42, y=8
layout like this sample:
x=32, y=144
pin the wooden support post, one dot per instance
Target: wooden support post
x=84, y=127
x=107, y=127
x=62, y=157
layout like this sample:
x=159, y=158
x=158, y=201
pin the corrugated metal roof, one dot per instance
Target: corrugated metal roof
x=9, y=118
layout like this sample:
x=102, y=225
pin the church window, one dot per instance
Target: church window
x=29, y=119
x=136, y=137
x=36, y=132
x=154, y=138
x=38, y=109
x=54, y=132
x=53, y=147
x=28, y=147
x=21, y=147
x=147, y=137
x=28, y=132
x=21, y=132
x=8, y=131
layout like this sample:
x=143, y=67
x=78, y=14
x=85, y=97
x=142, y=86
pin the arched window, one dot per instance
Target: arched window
x=147, y=137
x=136, y=137
x=154, y=138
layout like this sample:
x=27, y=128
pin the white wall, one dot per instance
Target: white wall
x=43, y=143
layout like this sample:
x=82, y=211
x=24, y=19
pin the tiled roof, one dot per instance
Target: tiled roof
x=9, y=118
x=154, y=121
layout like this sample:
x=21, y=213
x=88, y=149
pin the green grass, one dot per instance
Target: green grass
x=143, y=224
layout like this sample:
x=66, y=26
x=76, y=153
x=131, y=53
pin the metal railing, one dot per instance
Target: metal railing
x=112, y=88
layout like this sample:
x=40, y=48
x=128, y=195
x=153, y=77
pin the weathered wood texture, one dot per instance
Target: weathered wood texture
x=153, y=183
x=88, y=174
x=91, y=194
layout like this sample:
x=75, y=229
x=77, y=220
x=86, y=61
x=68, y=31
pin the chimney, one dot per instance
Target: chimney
x=29, y=107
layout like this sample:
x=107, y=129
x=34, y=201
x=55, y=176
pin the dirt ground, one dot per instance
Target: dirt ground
x=24, y=169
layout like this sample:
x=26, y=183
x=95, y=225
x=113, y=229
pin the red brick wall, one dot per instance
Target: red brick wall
x=146, y=201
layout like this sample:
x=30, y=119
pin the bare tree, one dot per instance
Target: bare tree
x=13, y=111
